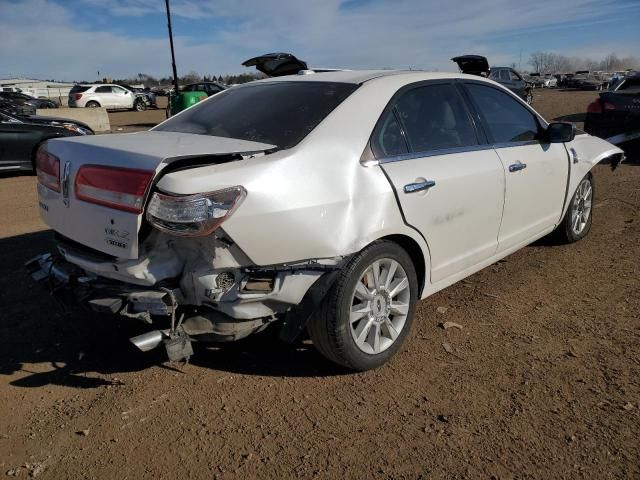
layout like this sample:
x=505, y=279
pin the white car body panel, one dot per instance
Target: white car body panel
x=533, y=196
x=460, y=216
x=316, y=200
x=112, y=231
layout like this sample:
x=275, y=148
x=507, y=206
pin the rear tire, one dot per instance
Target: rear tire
x=367, y=314
x=92, y=104
x=576, y=223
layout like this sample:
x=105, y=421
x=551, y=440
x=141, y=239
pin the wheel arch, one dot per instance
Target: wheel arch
x=416, y=254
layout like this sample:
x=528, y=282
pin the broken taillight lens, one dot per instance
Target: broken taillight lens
x=120, y=188
x=193, y=215
x=48, y=169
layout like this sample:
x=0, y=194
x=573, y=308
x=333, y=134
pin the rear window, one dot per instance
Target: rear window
x=79, y=88
x=278, y=113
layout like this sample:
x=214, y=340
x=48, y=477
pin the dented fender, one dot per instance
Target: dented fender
x=585, y=152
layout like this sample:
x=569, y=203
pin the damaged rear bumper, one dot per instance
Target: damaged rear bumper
x=241, y=302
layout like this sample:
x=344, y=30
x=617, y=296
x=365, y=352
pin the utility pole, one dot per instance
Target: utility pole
x=173, y=55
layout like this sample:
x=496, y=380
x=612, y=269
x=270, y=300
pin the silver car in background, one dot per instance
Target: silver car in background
x=106, y=95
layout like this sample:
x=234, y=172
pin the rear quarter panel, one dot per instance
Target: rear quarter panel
x=315, y=200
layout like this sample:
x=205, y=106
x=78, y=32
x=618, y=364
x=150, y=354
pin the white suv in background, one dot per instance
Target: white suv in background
x=104, y=95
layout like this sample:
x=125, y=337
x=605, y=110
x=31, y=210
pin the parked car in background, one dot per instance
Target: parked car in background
x=20, y=137
x=584, y=80
x=282, y=64
x=549, y=81
x=331, y=202
x=210, y=88
x=145, y=94
x=106, y=95
x=535, y=80
x=14, y=108
x=24, y=99
x=615, y=114
x=506, y=76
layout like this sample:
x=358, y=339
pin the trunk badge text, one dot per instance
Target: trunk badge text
x=65, y=183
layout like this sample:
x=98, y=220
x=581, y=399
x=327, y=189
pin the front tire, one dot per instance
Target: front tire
x=139, y=106
x=576, y=223
x=364, y=319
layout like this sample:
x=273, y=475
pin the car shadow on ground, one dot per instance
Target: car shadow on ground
x=44, y=344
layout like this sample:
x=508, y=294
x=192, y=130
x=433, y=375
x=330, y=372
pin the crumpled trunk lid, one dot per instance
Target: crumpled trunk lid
x=106, y=229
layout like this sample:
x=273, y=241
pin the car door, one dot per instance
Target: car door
x=122, y=98
x=105, y=96
x=536, y=171
x=449, y=182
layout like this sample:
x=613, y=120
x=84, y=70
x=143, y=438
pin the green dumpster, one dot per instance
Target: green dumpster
x=183, y=100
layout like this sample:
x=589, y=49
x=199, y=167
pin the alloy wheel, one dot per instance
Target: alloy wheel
x=379, y=306
x=581, y=208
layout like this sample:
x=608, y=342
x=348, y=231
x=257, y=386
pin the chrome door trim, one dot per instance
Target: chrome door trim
x=434, y=153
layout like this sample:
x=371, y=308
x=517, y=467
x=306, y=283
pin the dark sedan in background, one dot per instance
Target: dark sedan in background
x=615, y=114
x=24, y=99
x=20, y=137
x=505, y=76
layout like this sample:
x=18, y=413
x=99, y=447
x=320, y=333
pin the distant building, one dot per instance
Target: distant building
x=39, y=88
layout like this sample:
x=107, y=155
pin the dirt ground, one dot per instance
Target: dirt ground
x=543, y=381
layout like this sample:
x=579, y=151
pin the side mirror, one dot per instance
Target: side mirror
x=561, y=132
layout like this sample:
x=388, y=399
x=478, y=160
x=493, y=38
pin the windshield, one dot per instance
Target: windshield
x=278, y=113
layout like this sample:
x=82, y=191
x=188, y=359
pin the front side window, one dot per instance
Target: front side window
x=276, y=113
x=505, y=117
x=514, y=76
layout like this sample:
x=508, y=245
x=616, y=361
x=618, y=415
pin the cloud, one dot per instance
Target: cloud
x=57, y=42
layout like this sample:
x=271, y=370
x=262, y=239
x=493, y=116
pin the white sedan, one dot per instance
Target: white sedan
x=329, y=202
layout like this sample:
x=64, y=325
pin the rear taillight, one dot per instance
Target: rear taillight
x=48, y=169
x=594, y=107
x=193, y=215
x=77, y=96
x=598, y=105
x=119, y=188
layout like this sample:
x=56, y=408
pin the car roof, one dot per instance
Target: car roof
x=361, y=76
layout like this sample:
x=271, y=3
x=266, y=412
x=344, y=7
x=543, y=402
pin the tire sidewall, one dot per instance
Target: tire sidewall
x=356, y=358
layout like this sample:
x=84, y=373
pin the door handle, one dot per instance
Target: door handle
x=419, y=186
x=516, y=167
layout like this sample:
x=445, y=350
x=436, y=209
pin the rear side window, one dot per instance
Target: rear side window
x=506, y=118
x=388, y=140
x=79, y=88
x=277, y=113
x=435, y=118
x=630, y=84
x=103, y=89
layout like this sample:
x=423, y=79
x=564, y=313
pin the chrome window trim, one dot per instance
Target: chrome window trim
x=446, y=151
x=433, y=153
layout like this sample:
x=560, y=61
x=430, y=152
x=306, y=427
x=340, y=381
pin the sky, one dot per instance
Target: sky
x=75, y=39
